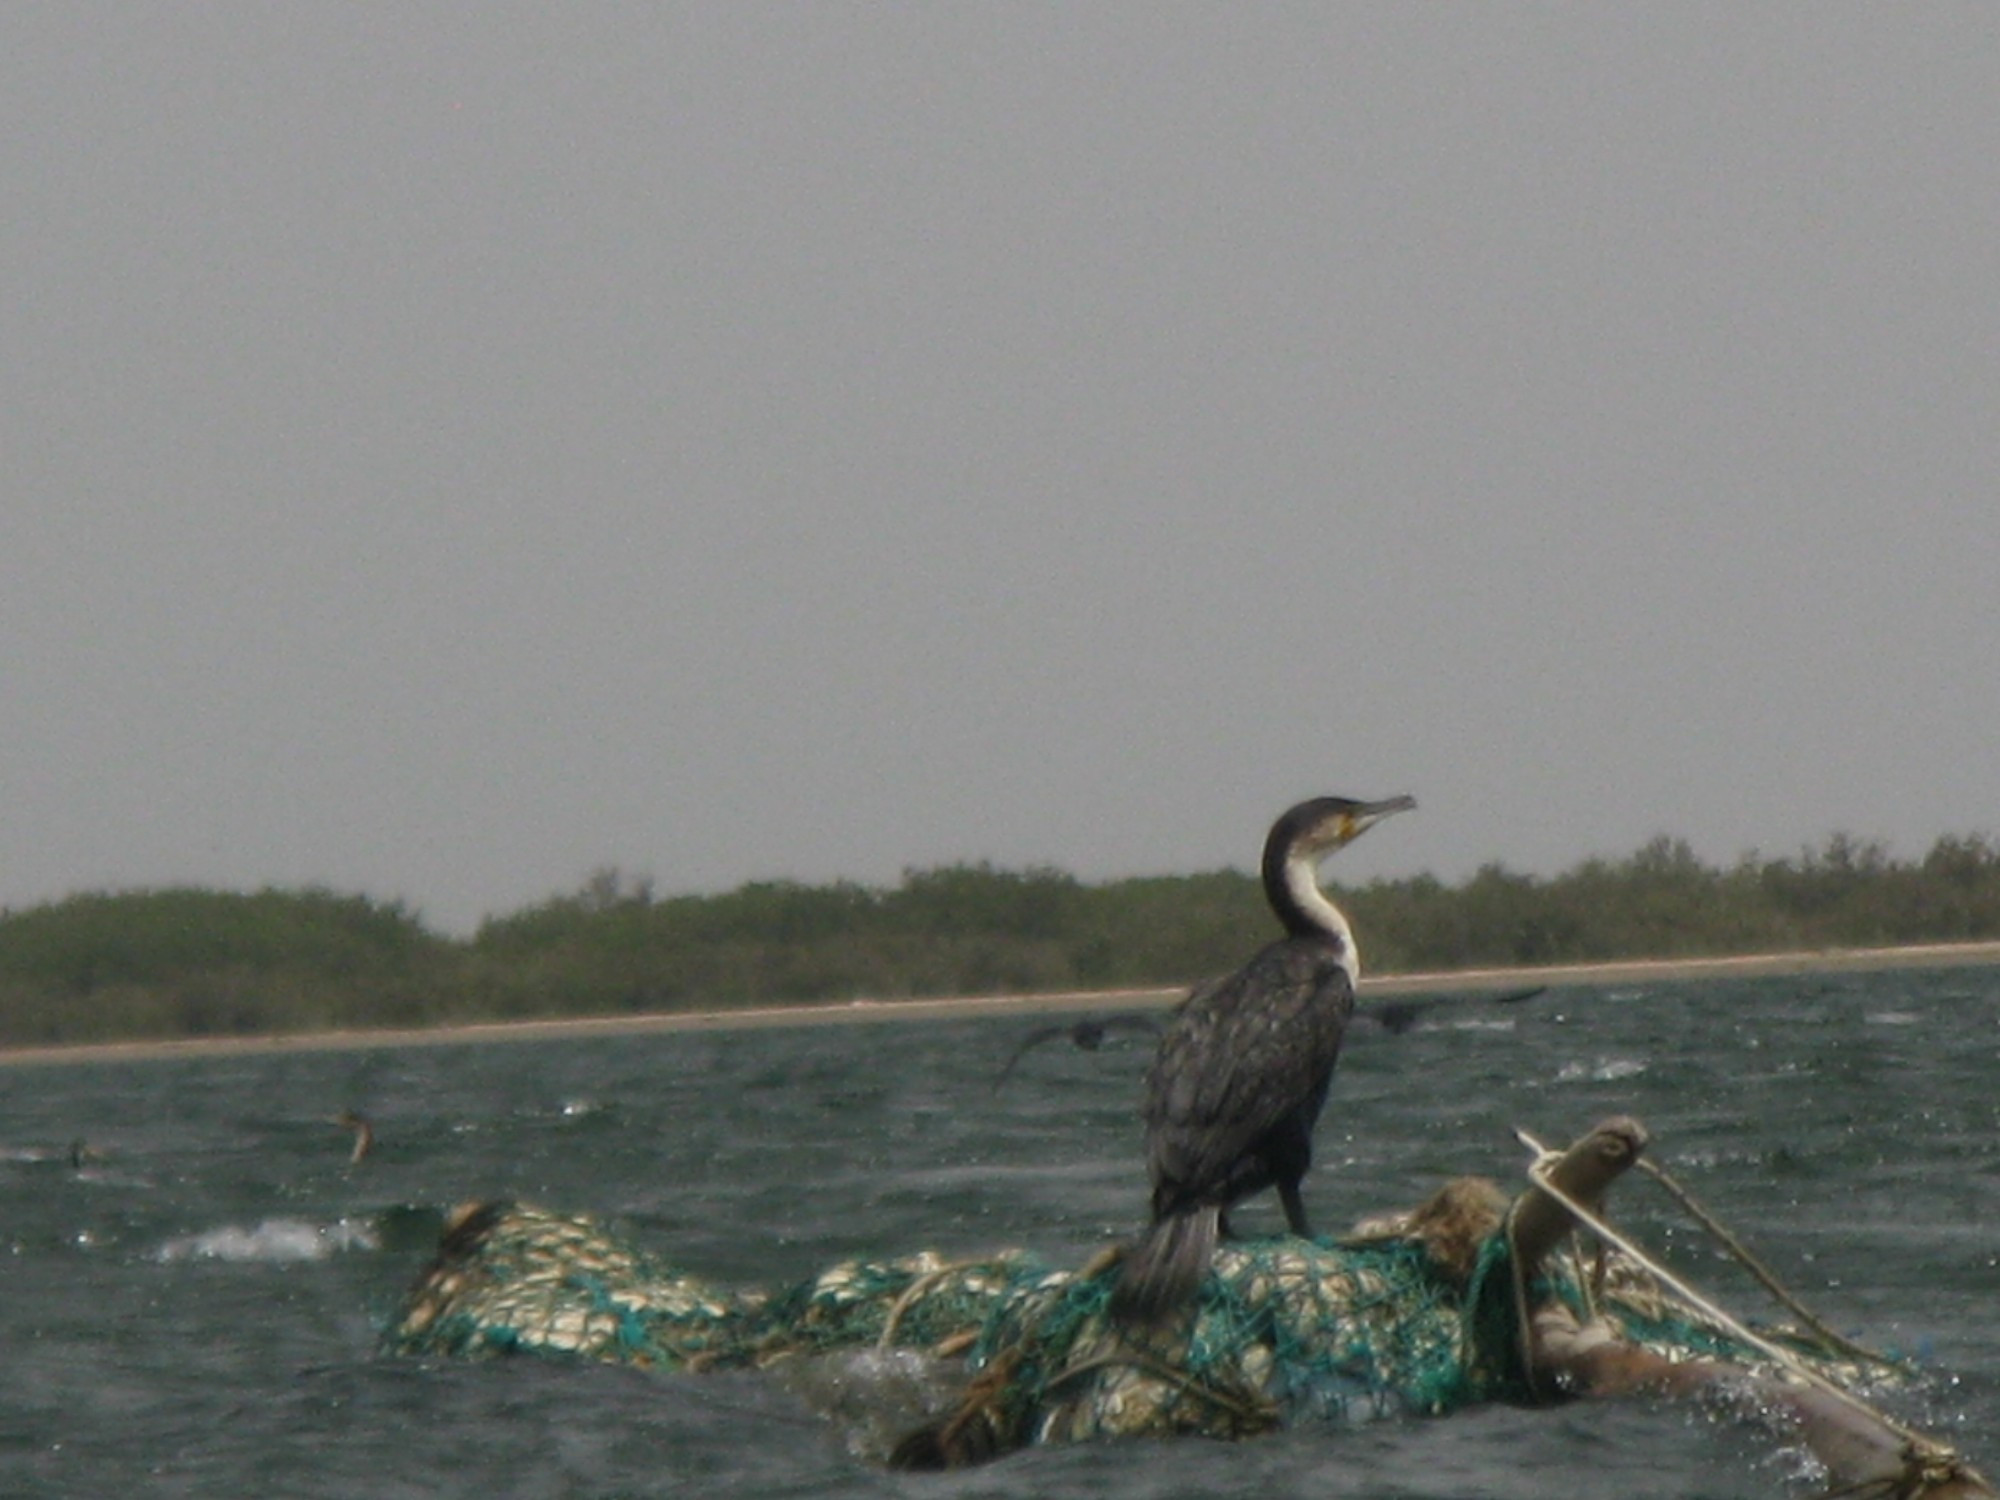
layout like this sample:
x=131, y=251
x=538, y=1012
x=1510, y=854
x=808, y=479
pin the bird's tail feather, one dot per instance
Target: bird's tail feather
x=1164, y=1270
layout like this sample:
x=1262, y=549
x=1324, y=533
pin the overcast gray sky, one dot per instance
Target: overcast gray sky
x=452, y=447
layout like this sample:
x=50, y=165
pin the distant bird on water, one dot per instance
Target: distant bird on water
x=1243, y=1068
x=1088, y=1034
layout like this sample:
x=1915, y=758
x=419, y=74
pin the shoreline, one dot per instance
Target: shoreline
x=823, y=1013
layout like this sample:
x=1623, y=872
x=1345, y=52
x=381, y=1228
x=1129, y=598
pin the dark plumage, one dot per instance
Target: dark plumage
x=1243, y=1068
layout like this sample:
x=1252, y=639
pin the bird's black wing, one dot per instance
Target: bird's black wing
x=1399, y=1016
x=1033, y=1039
x=1077, y=1031
x=1242, y=1055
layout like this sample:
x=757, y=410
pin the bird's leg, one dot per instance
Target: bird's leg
x=1295, y=1208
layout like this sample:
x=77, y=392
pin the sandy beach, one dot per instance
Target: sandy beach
x=1462, y=981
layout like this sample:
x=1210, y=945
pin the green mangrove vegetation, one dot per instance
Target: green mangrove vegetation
x=188, y=963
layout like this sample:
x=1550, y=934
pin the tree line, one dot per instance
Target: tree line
x=192, y=962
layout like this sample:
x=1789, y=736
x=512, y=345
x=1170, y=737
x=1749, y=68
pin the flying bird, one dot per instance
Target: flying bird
x=1399, y=1016
x=1088, y=1034
x=1243, y=1067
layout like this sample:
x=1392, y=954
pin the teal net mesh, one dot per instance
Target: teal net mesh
x=511, y=1278
x=1284, y=1330
x=515, y=1279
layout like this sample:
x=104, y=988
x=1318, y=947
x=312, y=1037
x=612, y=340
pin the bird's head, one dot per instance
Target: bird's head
x=1299, y=840
x=1315, y=829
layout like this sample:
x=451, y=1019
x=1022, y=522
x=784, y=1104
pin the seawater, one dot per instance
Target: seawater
x=195, y=1310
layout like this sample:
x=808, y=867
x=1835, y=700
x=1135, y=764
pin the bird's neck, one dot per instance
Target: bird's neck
x=1307, y=912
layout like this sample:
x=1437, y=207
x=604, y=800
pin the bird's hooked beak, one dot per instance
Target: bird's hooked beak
x=1363, y=816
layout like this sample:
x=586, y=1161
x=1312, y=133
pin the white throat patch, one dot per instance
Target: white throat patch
x=1302, y=880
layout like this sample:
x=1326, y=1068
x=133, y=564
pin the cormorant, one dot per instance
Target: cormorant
x=1087, y=1034
x=1243, y=1068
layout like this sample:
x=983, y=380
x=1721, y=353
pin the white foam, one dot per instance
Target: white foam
x=1604, y=1070
x=272, y=1241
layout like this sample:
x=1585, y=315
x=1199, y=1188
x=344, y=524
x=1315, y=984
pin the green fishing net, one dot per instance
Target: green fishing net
x=1284, y=1330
